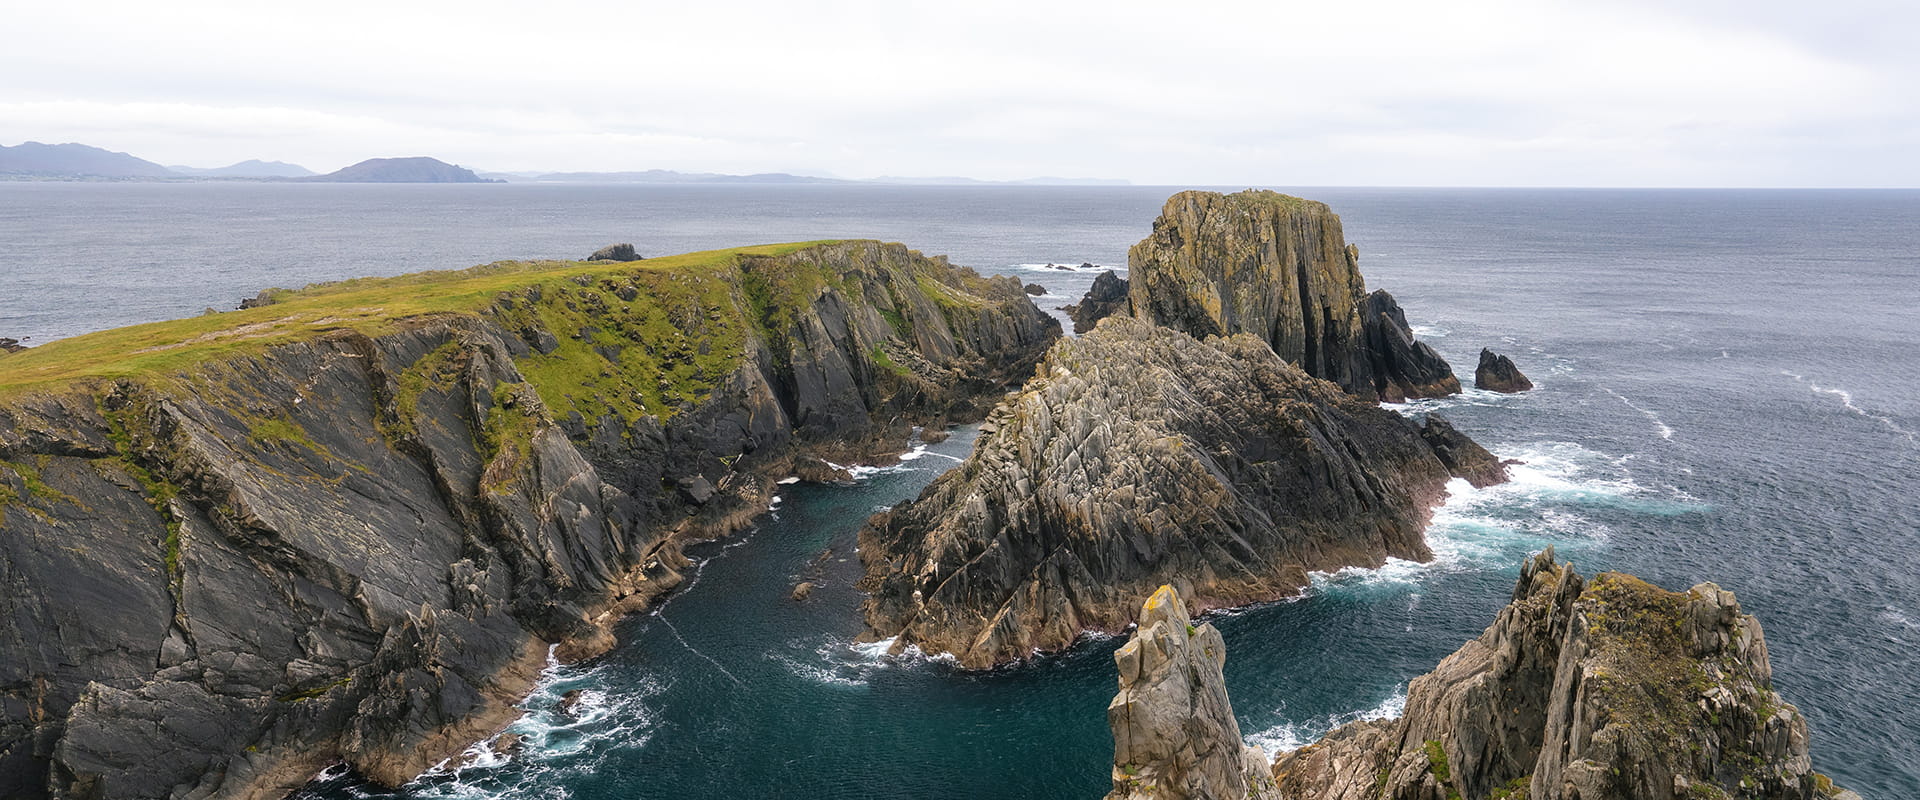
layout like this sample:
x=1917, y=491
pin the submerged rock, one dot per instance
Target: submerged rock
x=1610, y=689
x=1139, y=456
x=1402, y=367
x=614, y=252
x=1107, y=297
x=1497, y=373
x=1174, y=735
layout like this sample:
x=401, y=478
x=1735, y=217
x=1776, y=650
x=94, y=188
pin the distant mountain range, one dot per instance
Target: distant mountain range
x=36, y=161
x=251, y=168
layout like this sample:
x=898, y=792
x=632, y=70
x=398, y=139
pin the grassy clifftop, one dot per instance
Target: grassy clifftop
x=367, y=305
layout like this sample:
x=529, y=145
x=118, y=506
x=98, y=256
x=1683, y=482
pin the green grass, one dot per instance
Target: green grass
x=369, y=305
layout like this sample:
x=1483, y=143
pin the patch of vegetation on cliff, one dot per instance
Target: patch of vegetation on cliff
x=368, y=305
x=157, y=491
x=31, y=487
x=438, y=369
x=506, y=437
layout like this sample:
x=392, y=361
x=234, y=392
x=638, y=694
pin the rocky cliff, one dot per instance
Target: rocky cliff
x=350, y=524
x=1279, y=268
x=1174, y=735
x=1139, y=456
x=1609, y=689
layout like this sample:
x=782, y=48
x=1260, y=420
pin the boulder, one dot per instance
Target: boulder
x=1497, y=373
x=802, y=590
x=1035, y=289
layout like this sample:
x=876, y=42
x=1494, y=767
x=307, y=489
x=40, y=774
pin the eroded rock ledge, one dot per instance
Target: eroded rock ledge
x=1140, y=456
x=357, y=542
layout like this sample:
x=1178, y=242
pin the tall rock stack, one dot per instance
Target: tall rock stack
x=1174, y=735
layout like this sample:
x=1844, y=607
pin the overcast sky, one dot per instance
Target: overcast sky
x=1418, y=92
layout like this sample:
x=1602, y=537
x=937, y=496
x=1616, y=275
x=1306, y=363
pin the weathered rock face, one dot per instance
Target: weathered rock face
x=360, y=545
x=1497, y=373
x=1279, y=267
x=1108, y=296
x=1402, y=368
x=1139, y=456
x=615, y=252
x=1174, y=735
x=1605, y=690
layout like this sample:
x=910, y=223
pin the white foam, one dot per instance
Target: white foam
x=1846, y=402
x=1429, y=331
x=789, y=480
x=1658, y=425
x=1293, y=735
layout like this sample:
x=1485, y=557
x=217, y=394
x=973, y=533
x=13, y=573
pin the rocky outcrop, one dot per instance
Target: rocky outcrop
x=1497, y=373
x=1035, y=289
x=10, y=345
x=1279, y=268
x=1174, y=735
x=1139, y=456
x=359, y=541
x=1107, y=297
x=1402, y=367
x=1610, y=689
x=1463, y=457
x=615, y=252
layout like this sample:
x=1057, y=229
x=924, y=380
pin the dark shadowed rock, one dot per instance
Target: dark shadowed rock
x=1036, y=289
x=569, y=705
x=1138, y=456
x=11, y=345
x=1464, y=457
x=1174, y=735
x=1497, y=373
x=1402, y=367
x=264, y=298
x=614, y=252
x=1605, y=690
x=1107, y=297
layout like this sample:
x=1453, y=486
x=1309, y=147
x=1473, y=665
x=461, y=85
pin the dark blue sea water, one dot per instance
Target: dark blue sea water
x=1729, y=390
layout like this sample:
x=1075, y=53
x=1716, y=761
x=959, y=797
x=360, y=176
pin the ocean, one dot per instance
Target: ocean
x=1728, y=391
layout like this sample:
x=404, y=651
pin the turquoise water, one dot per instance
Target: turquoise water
x=1728, y=391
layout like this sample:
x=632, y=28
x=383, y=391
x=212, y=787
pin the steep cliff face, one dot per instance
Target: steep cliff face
x=1139, y=456
x=1174, y=735
x=1610, y=689
x=1279, y=268
x=349, y=525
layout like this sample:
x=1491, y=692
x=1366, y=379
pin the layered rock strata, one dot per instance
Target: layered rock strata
x=1107, y=296
x=1496, y=373
x=1401, y=366
x=328, y=531
x=1174, y=735
x=1138, y=456
x=1279, y=268
x=1609, y=689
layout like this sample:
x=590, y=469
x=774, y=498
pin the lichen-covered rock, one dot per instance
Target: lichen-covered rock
x=1402, y=367
x=615, y=252
x=1497, y=373
x=1611, y=689
x=359, y=544
x=1139, y=456
x=1107, y=297
x=1174, y=735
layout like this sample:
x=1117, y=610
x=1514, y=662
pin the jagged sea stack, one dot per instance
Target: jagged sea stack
x=1174, y=735
x=1402, y=367
x=1107, y=297
x=1610, y=689
x=1277, y=267
x=1138, y=456
x=1497, y=373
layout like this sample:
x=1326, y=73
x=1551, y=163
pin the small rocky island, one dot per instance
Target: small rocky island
x=1602, y=689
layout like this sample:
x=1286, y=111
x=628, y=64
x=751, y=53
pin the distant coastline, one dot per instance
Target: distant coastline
x=71, y=162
